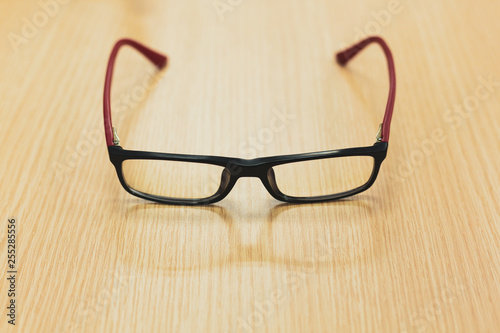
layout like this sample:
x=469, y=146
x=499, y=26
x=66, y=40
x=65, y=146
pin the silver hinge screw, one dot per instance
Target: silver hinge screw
x=379, y=134
x=116, y=139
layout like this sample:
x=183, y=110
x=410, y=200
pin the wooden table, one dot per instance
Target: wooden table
x=418, y=252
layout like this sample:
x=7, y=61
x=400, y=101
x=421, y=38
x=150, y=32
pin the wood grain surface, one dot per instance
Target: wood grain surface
x=418, y=252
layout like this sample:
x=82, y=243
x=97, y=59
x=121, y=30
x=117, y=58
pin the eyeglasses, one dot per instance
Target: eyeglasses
x=196, y=179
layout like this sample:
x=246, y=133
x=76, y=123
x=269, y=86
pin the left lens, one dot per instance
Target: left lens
x=172, y=179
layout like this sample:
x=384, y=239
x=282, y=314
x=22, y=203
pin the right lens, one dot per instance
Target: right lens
x=172, y=179
x=323, y=176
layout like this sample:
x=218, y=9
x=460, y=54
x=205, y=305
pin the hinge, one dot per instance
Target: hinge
x=116, y=139
x=379, y=134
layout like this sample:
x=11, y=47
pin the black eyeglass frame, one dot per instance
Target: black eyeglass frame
x=235, y=168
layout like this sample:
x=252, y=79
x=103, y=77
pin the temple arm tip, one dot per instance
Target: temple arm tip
x=342, y=58
x=162, y=62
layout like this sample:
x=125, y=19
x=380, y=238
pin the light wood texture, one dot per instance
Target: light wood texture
x=418, y=252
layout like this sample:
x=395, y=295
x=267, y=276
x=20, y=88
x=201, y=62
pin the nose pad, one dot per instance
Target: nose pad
x=224, y=181
x=271, y=178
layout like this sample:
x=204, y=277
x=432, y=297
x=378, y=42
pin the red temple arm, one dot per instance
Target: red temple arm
x=345, y=56
x=158, y=59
